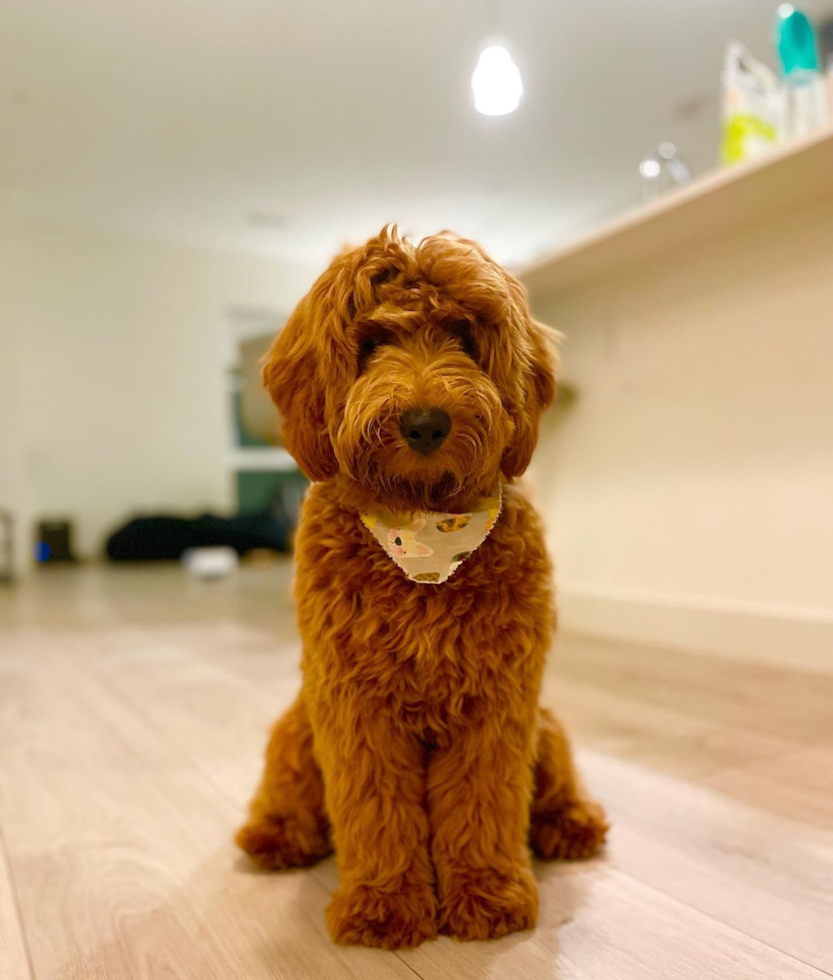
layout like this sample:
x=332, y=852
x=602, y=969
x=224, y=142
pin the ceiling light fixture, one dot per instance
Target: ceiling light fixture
x=496, y=82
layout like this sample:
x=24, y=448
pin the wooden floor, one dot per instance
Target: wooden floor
x=133, y=710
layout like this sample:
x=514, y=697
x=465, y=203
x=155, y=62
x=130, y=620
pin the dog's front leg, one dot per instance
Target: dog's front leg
x=479, y=790
x=374, y=774
x=287, y=826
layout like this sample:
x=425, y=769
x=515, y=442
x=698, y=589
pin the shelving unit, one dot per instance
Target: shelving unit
x=714, y=205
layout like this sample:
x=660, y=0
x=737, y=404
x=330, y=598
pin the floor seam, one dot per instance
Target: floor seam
x=6, y=858
x=713, y=918
x=408, y=965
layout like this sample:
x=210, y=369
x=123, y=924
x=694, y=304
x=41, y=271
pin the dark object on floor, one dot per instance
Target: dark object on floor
x=166, y=538
x=53, y=543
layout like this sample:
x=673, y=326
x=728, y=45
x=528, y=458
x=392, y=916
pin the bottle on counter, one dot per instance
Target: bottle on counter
x=828, y=78
x=804, y=86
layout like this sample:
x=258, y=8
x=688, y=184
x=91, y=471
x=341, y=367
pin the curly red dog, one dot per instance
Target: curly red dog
x=411, y=379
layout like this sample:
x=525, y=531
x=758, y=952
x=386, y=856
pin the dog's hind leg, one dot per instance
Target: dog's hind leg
x=564, y=821
x=287, y=825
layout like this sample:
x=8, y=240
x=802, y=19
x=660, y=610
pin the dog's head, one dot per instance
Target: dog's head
x=415, y=370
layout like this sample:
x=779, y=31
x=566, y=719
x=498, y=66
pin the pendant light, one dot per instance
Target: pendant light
x=496, y=82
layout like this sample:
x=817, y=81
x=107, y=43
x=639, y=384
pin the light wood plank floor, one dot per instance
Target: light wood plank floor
x=133, y=710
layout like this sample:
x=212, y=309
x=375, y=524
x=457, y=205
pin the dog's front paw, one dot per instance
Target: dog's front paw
x=369, y=916
x=283, y=842
x=576, y=831
x=482, y=903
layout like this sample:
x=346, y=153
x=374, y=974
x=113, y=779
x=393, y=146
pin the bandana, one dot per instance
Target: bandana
x=429, y=546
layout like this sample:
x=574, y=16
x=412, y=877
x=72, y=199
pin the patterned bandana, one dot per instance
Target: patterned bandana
x=430, y=547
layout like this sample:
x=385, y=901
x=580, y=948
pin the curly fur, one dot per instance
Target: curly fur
x=416, y=747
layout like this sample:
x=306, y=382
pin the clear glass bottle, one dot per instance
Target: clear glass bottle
x=806, y=102
x=828, y=78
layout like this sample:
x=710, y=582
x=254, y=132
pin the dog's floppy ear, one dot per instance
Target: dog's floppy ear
x=291, y=374
x=311, y=364
x=536, y=362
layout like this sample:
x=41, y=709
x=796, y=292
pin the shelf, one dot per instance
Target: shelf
x=260, y=459
x=708, y=207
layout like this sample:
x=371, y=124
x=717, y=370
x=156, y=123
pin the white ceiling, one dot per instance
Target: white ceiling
x=192, y=119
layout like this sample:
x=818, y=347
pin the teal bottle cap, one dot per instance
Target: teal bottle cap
x=796, y=40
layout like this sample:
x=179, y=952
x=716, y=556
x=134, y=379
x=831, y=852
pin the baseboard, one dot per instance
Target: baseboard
x=786, y=636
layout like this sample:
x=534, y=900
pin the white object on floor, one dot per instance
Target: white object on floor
x=210, y=562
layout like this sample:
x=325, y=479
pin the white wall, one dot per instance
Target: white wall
x=121, y=355
x=689, y=490
x=12, y=491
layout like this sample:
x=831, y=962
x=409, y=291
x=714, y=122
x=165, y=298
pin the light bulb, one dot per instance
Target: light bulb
x=496, y=82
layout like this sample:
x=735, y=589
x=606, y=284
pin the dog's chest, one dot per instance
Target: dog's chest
x=428, y=652
x=417, y=645
x=408, y=634
x=429, y=656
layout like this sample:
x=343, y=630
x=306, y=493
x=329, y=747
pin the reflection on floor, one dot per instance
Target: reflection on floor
x=133, y=708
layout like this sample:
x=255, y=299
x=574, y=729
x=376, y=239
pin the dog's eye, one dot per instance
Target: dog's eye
x=467, y=342
x=461, y=329
x=469, y=345
x=367, y=348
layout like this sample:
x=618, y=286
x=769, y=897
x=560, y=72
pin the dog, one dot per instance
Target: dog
x=411, y=379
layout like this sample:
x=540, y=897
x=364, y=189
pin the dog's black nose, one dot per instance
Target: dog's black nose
x=425, y=429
